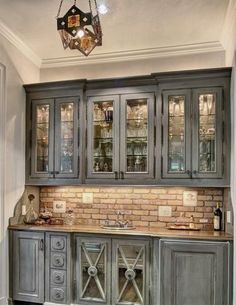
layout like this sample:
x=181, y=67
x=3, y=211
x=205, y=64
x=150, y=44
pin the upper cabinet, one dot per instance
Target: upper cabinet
x=121, y=136
x=53, y=136
x=164, y=129
x=192, y=133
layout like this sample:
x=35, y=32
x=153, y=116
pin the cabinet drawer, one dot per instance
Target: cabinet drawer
x=58, y=277
x=58, y=295
x=58, y=243
x=58, y=260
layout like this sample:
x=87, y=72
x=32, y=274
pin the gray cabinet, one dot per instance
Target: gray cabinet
x=121, y=136
x=112, y=271
x=58, y=268
x=191, y=272
x=28, y=266
x=52, y=133
x=193, y=133
x=130, y=272
x=55, y=138
x=93, y=270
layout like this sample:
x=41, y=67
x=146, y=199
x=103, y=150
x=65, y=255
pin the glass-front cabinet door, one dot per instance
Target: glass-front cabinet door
x=42, y=138
x=66, y=137
x=93, y=268
x=207, y=133
x=176, y=149
x=137, y=136
x=130, y=272
x=103, y=137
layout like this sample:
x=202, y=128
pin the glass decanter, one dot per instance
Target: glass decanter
x=31, y=215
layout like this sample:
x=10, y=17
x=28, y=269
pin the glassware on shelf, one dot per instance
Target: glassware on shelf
x=42, y=134
x=207, y=133
x=136, y=134
x=66, y=143
x=176, y=134
x=103, y=136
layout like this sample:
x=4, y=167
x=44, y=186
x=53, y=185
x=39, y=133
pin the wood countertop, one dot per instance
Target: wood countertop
x=137, y=232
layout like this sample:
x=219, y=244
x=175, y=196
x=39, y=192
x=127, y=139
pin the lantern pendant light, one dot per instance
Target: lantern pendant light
x=79, y=30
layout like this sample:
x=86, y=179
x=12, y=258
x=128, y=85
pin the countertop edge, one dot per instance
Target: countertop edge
x=138, y=232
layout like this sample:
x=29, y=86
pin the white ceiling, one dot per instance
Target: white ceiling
x=130, y=26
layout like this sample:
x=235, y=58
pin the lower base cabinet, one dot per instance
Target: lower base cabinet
x=89, y=269
x=27, y=266
x=112, y=271
x=192, y=273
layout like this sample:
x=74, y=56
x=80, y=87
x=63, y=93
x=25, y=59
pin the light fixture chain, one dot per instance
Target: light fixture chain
x=59, y=10
x=75, y=2
x=90, y=7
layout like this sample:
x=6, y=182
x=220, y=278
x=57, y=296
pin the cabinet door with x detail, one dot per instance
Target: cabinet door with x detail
x=93, y=261
x=130, y=272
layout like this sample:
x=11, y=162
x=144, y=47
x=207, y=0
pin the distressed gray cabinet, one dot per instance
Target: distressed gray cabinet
x=28, y=266
x=53, y=146
x=93, y=270
x=58, y=278
x=191, y=272
x=112, y=271
x=121, y=136
x=193, y=133
x=130, y=272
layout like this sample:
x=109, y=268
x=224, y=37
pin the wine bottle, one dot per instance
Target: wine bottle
x=217, y=218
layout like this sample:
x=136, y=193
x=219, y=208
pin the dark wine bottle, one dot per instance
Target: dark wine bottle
x=217, y=218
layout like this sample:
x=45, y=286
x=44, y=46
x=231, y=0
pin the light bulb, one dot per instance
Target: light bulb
x=102, y=8
x=80, y=33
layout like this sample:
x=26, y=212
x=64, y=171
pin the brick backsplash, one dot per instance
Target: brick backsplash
x=141, y=205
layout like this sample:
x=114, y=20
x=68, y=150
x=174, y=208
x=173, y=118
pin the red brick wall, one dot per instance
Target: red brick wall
x=139, y=204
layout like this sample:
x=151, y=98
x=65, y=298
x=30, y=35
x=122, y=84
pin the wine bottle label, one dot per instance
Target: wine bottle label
x=216, y=222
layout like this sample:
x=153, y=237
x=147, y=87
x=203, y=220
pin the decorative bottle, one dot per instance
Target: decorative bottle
x=217, y=218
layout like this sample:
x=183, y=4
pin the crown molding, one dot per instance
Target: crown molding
x=19, y=44
x=159, y=52
x=229, y=24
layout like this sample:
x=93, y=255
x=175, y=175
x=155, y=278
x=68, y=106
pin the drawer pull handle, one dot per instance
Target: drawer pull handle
x=41, y=245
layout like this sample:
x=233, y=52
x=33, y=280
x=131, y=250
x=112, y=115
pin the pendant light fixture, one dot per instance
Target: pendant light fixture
x=79, y=30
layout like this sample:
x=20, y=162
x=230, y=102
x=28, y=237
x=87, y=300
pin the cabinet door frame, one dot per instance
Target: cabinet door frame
x=150, y=139
x=33, y=171
x=107, y=258
x=58, y=101
x=19, y=294
x=146, y=276
x=163, y=251
x=219, y=133
x=165, y=124
x=90, y=136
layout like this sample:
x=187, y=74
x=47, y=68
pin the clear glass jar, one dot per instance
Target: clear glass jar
x=31, y=215
x=70, y=217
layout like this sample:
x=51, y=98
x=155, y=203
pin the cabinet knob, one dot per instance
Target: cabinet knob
x=122, y=175
x=195, y=172
x=116, y=175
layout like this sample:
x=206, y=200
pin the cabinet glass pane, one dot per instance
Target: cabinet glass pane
x=137, y=135
x=103, y=136
x=131, y=274
x=93, y=271
x=176, y=134
x=66, y=140
x=207, y=132
x=42, y=136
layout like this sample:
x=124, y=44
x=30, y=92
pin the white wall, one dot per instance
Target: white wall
x=131, y=68
x=12, y=139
